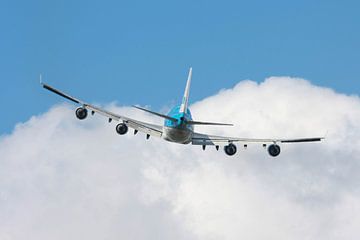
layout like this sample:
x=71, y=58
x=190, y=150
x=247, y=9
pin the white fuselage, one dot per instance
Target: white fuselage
x=177, y=135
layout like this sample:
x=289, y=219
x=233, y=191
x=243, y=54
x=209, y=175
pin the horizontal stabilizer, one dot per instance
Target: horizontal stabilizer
x=157, y=114
x=208, y=123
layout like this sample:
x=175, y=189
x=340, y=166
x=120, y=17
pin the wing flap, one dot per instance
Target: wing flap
x=103, y=112
x=151, y=129
x=147, y=128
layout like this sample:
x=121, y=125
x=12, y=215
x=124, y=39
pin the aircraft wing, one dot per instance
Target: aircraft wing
x=204, y=139
x=147, y=128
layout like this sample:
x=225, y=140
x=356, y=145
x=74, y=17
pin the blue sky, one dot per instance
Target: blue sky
x=139, y=52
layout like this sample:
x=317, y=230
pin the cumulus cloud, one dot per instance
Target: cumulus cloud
x=61, y=178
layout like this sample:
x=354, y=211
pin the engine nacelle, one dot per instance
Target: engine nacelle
x=81, y=113
x=230, y=149
x=274, y=150
x=122, y=128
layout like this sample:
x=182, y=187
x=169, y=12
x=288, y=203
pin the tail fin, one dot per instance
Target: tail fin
x=185, y=99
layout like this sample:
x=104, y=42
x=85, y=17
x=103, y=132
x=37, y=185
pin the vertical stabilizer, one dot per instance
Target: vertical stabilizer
x=185, y=100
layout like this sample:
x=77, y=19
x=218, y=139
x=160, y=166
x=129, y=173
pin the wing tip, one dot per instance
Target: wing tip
x=317, y=139
x=40, y=79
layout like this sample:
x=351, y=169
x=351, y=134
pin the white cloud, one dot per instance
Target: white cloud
x=61, y=178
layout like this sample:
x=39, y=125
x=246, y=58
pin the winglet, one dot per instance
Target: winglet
x=325, y=136
x=41, y=82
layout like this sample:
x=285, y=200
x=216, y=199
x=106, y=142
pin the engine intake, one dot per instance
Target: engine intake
x=81, y=113
x=274, y=150
x=122, y=128
x=230, y=149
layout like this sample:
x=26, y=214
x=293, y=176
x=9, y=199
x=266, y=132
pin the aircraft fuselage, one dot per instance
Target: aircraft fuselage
x=180, y=131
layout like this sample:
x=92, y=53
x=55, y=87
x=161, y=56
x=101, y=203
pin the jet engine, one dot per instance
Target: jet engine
x=81, y=113
x=230, y=149
x=274, y=150
x=122, y=128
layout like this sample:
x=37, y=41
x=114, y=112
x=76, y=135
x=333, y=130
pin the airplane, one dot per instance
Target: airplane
x=178, y=125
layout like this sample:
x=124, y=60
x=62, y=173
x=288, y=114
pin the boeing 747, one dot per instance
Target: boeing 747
x=178, y=126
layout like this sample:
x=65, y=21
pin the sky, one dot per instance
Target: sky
x=276, y=69
x=139, y=52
